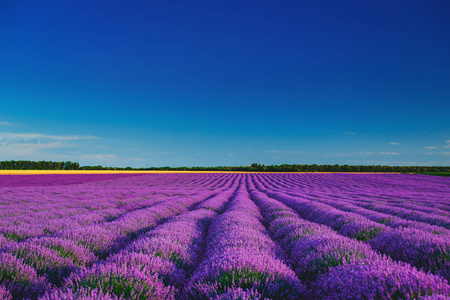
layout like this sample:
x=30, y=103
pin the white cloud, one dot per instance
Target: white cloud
x=7, y=124
x=394, y=143
x=136, y=159
x=430, y=147
x=98, y=156
x=291, y=152
x=438, y=153
x=32, y=151
x=38, y=146
x=378, y=153
x=349, y=133
x=364, y=154
x=40, y=136
x=375, y=162
x=156, y=153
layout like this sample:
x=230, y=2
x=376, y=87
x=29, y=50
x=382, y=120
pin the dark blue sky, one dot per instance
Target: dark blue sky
x=154, y=83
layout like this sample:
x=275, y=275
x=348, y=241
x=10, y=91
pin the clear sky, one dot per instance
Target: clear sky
x=207, y=83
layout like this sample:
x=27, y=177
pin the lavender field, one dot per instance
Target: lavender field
x=224, y=236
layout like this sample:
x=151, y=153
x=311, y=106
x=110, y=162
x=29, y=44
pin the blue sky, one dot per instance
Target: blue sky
x=205, y=83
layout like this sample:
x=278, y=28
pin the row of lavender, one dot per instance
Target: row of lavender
x=337, y=267
x=238, y=237
x=154, y=266
x=219, y=249
x=37, y=262
x=409, y=239
x=34, y=211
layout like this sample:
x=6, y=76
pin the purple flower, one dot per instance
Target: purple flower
x=377, y=279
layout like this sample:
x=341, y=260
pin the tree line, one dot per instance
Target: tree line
x=38, y=165
x=68, y=165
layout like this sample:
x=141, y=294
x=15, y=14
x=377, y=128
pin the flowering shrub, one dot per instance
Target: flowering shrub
x=225, y=236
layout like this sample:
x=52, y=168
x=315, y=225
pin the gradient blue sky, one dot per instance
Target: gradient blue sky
x=206, y=83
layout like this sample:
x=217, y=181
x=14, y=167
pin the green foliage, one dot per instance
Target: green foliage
x=38, y=165
x=67, y=253
x=14, y=236
x=293, y=168
x=367, y=234
x=68, y=165
x=322, y=263
x=273, y=288
x=436, y=173
x=126, y=287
